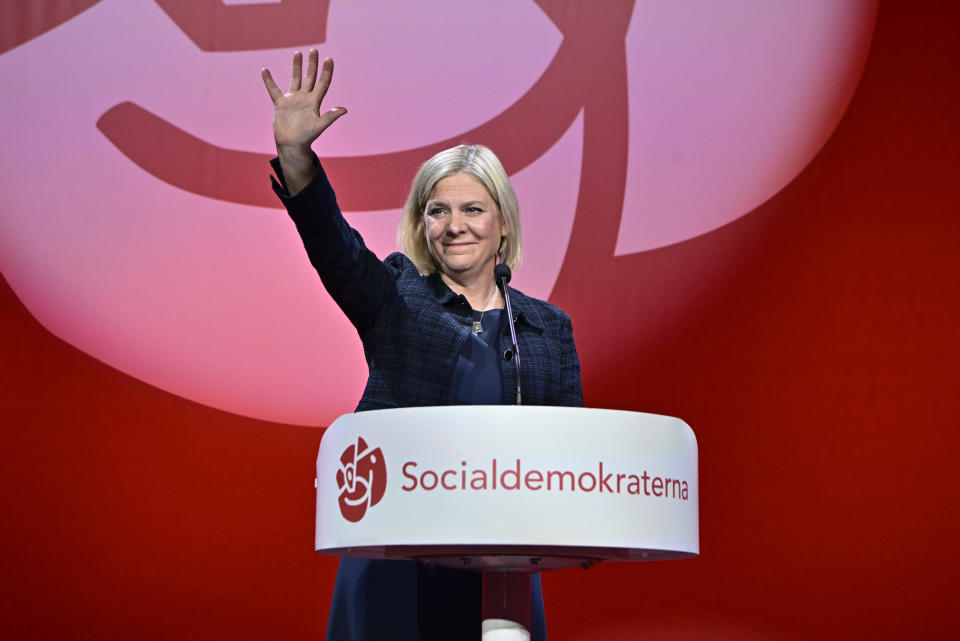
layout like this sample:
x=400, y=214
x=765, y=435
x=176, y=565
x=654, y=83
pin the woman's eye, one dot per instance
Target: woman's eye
x=436, y=211
x=474, y=210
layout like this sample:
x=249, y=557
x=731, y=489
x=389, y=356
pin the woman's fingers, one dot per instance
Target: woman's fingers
x=329, y=117
x=323, y=82
x=297, y=117
x=297, y=72
x=300, y=82
x=310, y=80
x=272, y=88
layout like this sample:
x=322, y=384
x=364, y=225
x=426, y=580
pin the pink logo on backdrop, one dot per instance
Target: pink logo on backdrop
x=151, y=239
x=361, y=479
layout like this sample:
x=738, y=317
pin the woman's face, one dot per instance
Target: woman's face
x=463, y=227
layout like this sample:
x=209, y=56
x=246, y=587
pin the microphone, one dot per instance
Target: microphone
x=501, y=276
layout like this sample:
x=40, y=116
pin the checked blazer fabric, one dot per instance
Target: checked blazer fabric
x=412, y=326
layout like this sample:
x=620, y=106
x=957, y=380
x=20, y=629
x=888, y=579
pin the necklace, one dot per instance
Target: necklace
x=478, y=324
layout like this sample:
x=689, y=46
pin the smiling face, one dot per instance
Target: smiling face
x=463, y=228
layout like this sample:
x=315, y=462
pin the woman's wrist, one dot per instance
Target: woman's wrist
x=298, y=164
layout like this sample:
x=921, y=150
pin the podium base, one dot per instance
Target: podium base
x=503, y=630
x=506, y=606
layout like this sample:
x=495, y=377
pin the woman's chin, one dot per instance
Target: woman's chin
x=466, y=269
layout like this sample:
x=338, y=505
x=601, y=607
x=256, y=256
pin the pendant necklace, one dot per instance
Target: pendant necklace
x=478, y=324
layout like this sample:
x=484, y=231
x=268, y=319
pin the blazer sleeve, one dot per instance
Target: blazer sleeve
x=571, y=388
x=355, y=278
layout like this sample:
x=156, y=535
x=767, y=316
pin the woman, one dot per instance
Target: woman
x=433, y=329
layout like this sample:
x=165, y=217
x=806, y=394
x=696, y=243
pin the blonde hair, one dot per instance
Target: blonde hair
x=481, y=163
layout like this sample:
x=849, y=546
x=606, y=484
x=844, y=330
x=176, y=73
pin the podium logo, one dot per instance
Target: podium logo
x=362, y=479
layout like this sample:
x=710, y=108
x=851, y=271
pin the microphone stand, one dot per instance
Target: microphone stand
x=504, y=273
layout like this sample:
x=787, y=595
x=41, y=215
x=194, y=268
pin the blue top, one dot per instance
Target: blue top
x=477, y=379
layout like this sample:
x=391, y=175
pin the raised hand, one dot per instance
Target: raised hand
x=297, y=116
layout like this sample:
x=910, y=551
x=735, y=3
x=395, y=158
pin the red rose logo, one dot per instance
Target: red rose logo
x=151, y=240
x=362, y=479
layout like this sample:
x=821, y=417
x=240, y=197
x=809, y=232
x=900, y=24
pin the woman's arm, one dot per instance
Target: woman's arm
x=356, y=279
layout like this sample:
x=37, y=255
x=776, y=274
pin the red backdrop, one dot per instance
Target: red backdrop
x=821, y=382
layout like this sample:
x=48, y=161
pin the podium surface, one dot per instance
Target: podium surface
x=508, y=488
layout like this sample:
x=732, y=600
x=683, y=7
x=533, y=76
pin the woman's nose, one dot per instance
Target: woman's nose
x=456, y=224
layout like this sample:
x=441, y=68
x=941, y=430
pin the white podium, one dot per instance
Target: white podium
x=508, y=490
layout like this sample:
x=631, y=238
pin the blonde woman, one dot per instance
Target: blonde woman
x=433, y=328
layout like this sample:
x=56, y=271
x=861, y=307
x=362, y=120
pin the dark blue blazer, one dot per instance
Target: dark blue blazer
x=413, y=326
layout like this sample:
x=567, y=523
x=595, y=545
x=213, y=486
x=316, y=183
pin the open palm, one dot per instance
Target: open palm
x=297, y=117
